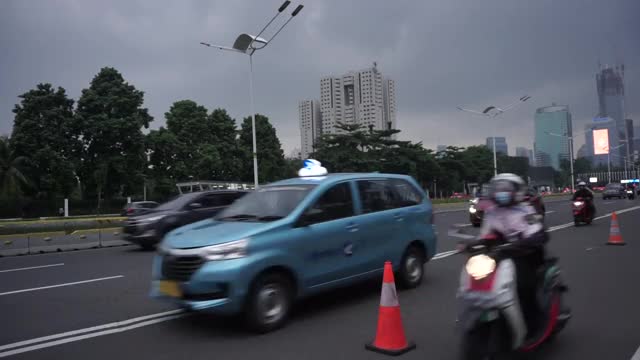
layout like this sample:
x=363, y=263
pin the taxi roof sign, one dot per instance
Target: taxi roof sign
x=312, y=167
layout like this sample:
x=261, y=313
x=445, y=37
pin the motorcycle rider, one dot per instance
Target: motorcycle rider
x=586, y=194
x=512, y=215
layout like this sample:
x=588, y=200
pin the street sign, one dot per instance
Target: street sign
x=593, y=180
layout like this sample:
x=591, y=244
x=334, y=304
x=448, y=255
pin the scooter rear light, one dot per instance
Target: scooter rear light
x=485, y=284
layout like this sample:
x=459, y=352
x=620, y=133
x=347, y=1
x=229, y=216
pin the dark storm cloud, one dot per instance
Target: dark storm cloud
x=441, y=54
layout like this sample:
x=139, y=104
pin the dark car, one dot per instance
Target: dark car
x=614, y=190
x=480, y=204
x=138, y=208
x=535, y=199
x=148, y=229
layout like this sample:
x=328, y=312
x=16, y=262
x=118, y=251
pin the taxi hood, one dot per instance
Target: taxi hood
x=213, y=232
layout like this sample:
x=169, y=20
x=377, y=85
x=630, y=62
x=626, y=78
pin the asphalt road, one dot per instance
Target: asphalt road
x=94, y=304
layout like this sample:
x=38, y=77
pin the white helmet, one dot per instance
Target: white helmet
x=506, y=189
x=582, y=183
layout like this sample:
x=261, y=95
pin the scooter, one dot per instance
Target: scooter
x=490, y=316
x=581, y=212
x=630, y=194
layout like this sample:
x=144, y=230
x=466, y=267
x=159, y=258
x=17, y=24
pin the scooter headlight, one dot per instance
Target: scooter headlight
x=480, y=266
x=578, y=203
x=472, y=209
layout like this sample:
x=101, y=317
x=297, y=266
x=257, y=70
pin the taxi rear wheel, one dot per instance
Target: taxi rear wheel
x=412, y=267
x=269, y=302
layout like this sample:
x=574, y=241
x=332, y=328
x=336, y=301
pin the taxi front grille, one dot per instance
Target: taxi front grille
x=180, y=268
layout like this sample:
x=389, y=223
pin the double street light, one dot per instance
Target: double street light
x=609, y=157
x=248, y=44
x=571, y=158
x=493, y=112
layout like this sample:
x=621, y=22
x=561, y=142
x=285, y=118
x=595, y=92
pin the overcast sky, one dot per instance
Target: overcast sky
x=440, y=53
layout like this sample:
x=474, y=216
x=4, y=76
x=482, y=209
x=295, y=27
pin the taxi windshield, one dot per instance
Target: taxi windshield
x=269, y=203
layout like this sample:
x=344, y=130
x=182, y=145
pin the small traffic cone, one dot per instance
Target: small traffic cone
x=615, y=238
x=390, y=337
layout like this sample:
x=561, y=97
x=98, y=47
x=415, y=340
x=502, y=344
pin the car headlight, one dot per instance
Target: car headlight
x=226, y=251
x=578, y=203
x=472, y=209
x=480, y=266
x=153, y=218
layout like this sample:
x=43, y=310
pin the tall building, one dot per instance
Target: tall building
x=358, y=97
x=610, y=86
x=524, y=152
x=583, y=152
x=636, y=142
x=602, y=160
x=310, y=125
x=631, y=135
x=501, y=144
x=549, y=149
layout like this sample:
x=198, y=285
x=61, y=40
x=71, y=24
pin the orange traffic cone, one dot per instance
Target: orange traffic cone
x=615, y=238
x=390, y=337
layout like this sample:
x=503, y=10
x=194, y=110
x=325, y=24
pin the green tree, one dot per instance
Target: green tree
x=188, y=121
x=271, y=164
x=108, y=123
x=42, y=132
x=356, y=149
x=582, y=166
x=225, y=137
x=12, y=178
x=197, y=154
x=514, y=164
x=164, y=169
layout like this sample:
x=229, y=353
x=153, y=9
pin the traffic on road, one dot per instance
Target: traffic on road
x=104, y=303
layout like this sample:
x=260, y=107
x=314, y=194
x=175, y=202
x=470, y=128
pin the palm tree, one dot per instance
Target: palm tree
x=11, y=176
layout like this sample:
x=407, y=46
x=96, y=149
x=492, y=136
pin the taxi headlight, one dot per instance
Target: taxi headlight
x=227, y=251
x=480, y=266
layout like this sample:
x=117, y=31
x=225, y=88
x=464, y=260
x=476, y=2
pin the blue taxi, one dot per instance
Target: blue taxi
x=294, y=238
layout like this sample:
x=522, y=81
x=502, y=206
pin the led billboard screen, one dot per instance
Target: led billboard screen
x=601, y=141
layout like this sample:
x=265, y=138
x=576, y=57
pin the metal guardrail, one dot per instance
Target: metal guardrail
x=57, y=241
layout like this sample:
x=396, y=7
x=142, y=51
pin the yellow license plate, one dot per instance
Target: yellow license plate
x=170, y=288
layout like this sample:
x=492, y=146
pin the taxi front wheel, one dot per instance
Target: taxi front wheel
x=269, y=303
x=411, y=267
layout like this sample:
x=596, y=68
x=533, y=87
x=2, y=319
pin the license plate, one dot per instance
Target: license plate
x=170, y=288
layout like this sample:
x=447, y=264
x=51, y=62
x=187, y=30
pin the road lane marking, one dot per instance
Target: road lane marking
x=60, y=285
x=90, y=329
x=551, y=229
x=462, y=225
x=549, y=212
x=91, y=335
x=31, y=267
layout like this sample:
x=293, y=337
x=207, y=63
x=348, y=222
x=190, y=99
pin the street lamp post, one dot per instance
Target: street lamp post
x=571, y=158
x=248, y=44
x=493, y=112
x=609, y=158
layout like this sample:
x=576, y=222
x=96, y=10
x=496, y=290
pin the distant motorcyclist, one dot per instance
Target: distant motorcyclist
x=586, y=194
x=512, y=215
